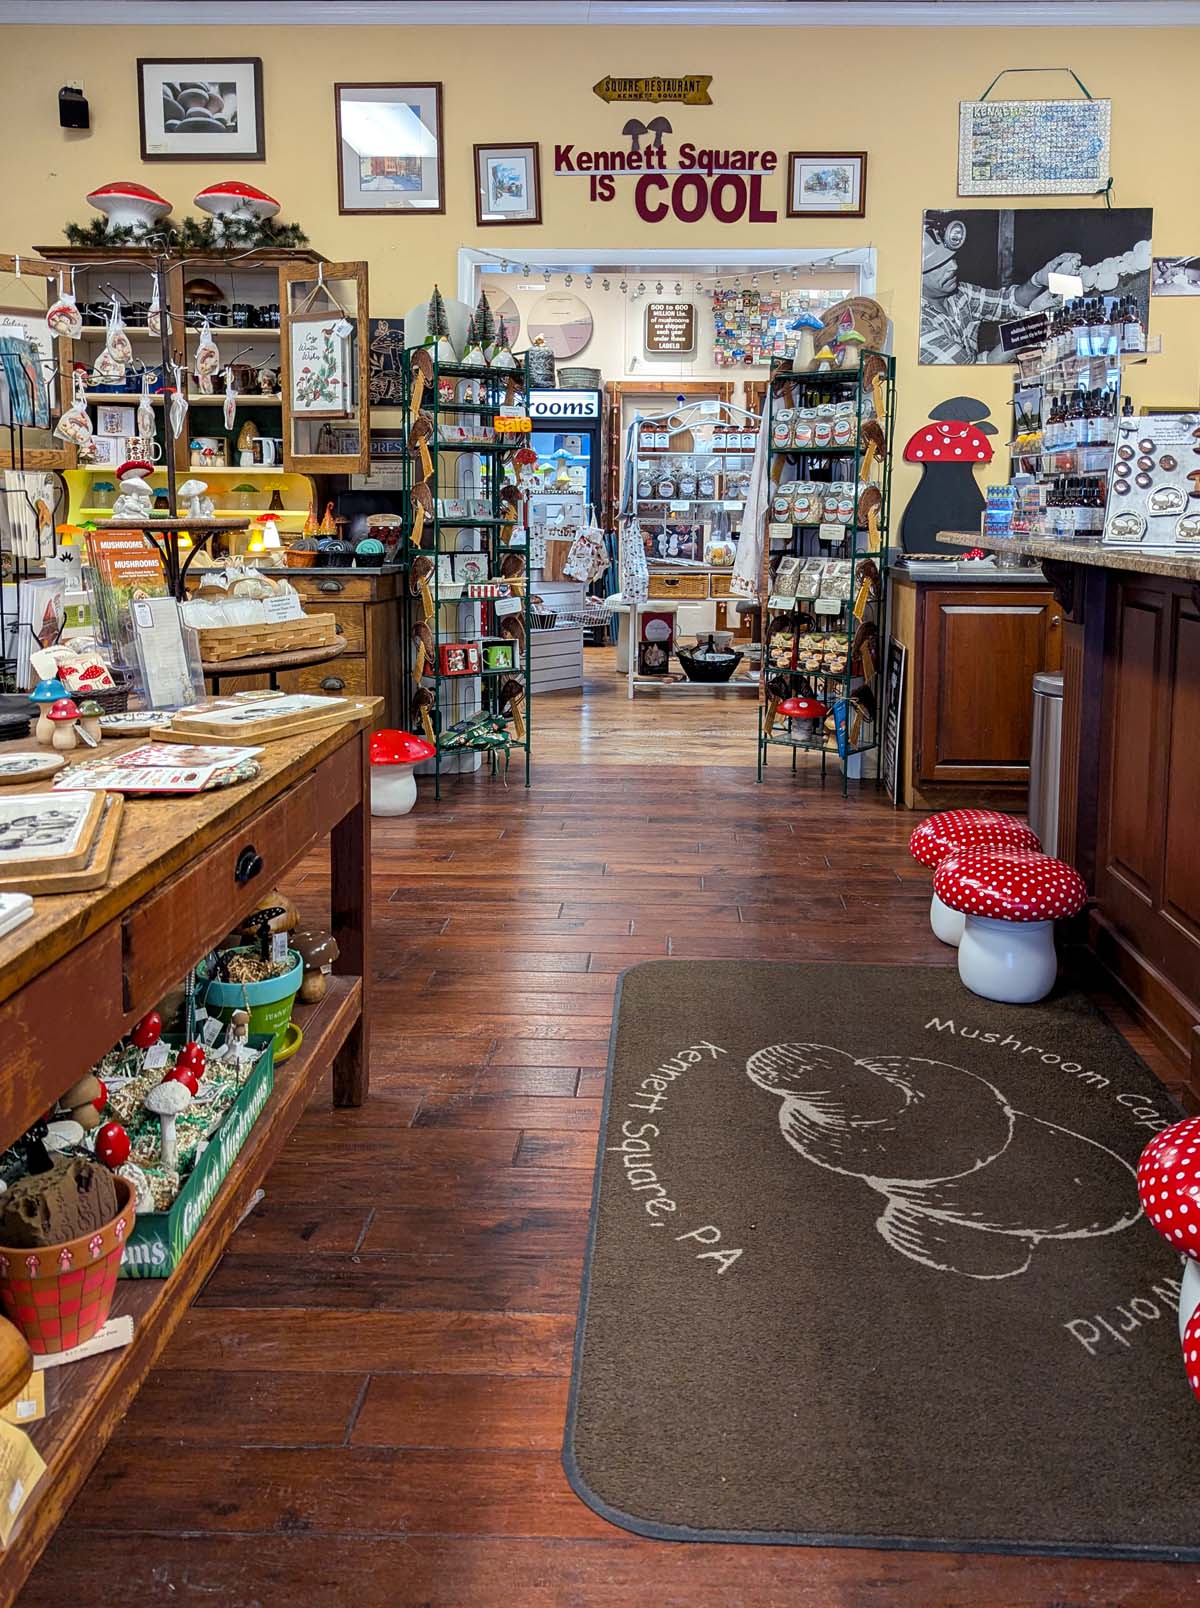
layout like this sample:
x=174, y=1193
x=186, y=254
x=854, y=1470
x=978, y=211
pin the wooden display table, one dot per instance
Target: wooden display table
x=86, y=966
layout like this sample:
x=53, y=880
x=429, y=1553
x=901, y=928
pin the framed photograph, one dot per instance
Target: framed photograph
x=508, y=184
x=321, y=367
x=827, y=184
x=389, y=147
x=1175, y=276
x=201, y=109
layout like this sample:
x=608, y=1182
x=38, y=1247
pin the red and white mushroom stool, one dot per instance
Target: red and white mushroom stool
x=1168, y=1181
x=941, y=834
x=1010, y=898
x=807, y=712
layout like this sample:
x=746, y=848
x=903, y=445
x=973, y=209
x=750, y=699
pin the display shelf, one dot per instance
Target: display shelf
x=712, y=452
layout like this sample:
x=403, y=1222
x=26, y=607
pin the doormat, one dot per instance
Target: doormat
x=867, y=1268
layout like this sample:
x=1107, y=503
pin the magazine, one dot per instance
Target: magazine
x=123, y=567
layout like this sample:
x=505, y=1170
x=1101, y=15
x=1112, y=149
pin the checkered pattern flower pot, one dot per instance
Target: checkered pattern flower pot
x=60, y=1295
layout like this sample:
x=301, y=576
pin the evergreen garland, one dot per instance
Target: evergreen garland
x=192, y=234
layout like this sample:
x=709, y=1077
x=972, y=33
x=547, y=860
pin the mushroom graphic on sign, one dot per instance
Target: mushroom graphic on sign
x=951, y=1157
x=949, y=449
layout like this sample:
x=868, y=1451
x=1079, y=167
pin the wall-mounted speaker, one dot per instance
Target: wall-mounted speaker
x=73, y=109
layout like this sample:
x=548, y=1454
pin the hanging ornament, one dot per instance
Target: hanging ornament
x=106, y=369
x=154, y=315
x=75, y=425
x=179, y=402
x=208, y=358
x=117, y=344
x=145, y=411
x=658, y=288
x=678, y=287
x=229, y=406
x=64, y=317
x=607, y=284
x=567, y=282
x=624, y=286
x=587, y=281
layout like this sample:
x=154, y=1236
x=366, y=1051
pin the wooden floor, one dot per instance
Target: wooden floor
x=365, y=1406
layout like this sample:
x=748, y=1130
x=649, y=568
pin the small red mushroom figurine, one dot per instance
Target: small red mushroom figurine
x=148, y=1031
x=112, y=1145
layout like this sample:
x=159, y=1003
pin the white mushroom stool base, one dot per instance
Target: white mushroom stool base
x=947, y=924
x=1189, y=1294
x=393, y=789
x=1010, y=961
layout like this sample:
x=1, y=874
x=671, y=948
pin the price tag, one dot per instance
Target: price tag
x=779, y=532
x=286, y=607
x=733, y=507
x=828, y=605
x=679, y=506
x=786, y=604
x=342, y=328
x=211, y=1030
x=156, y=1056
x=517, y=425
x=279, y=946
x=832, y=533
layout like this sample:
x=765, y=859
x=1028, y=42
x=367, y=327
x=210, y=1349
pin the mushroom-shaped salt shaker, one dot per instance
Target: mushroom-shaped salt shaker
x=44, y=695
x=127, y=205
x=167, y=1101
x=941, y=834
x=1011, y=899
x=62, y=715
x=318, y=950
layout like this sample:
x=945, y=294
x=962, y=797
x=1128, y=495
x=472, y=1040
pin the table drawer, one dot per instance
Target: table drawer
x=693, y=586
x=345, y=675
x=174, y=926
x=351, y=620
x=720, y=585
x=314, y=587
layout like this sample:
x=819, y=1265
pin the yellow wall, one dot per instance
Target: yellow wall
x=780, y=88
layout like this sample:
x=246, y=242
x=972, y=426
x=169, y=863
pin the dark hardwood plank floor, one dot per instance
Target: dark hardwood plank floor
x=365, y=1405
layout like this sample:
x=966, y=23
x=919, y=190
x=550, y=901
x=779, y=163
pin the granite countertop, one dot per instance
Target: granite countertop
x=977, y=575
x=1181, y=566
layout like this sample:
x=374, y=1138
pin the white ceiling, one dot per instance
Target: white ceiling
x=623, y=13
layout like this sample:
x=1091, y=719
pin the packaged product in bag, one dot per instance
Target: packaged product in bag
x=208, y=358
x=154, y=315
x=117, y=344
x=64, y=317
x=781, y=428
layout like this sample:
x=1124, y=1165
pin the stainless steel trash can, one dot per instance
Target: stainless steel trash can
x=1045, y=760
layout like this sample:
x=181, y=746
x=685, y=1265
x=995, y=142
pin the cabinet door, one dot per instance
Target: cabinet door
x=980, y=649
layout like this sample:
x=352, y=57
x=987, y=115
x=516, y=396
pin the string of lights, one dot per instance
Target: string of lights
x=616, y=279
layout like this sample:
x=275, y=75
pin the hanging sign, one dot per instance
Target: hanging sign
x=670, y=327
x=691, y=90
x=564, y=404
x=504, y=424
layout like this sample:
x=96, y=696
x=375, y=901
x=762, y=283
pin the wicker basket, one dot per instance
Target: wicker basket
x=112, y=700
x=579, y=379
x=221, y=643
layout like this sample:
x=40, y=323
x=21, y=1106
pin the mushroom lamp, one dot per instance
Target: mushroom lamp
x=232, y=201
x=1010, y=899
x=942, y=834
x=393, y=756
x=167, y=1101
x=126, y=205
x=1168, y=1181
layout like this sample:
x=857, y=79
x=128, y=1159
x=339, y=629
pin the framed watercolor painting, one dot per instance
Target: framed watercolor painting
x=201, y=109
x=508, y=184
x=389, y=148
x=827, y=184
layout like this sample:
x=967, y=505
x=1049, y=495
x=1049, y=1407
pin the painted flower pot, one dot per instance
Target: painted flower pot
x=269, y=1002
x=60, y=1295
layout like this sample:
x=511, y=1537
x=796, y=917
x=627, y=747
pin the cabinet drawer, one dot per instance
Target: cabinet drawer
x=719, y=585
x=344, y=675
x=351, y=619
x=314, y=587
x=174, y=926
x=693, y=586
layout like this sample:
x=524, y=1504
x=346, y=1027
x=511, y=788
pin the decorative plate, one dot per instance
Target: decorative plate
x=133, y=722
x=28, y=765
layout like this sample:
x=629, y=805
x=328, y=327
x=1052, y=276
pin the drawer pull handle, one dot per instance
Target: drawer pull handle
x=330, y=586
x=247, y=865
x=339, y=629
x=333, y=684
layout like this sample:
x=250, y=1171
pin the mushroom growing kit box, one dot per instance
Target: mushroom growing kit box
x=159, y=1239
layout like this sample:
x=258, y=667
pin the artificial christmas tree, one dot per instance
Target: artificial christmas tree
x=473, y=356
x=438, y=330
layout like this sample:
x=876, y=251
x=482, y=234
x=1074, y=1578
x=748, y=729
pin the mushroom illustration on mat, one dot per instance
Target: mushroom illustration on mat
x=949, y=449
x=958, y=1196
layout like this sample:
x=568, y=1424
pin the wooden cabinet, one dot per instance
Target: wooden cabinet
x=972, y=654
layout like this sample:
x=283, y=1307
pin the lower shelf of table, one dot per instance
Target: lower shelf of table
x=87, y=1400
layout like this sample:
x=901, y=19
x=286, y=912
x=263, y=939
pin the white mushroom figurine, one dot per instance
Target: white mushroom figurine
x=168, y=1100
x=199, y=506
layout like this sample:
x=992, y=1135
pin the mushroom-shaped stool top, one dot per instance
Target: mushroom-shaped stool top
x=127, y=205
x=232, y=198
x=802, y=709
x=941, y=834
x=1168, y=1181
x=948, y=441
x=390, y=747
x=393, y=755
x=1009, y=883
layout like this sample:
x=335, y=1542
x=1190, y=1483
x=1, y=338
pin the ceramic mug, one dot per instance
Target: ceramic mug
x=145, y=447
x=262, y=449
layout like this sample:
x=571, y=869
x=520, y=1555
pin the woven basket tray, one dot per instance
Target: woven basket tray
x=219, y=643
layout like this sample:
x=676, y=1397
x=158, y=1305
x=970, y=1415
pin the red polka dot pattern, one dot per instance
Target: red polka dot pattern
x=948, y=442
x=1009, y=884
x=1168, y=1181
x=963, y=829
x=1191, y=1351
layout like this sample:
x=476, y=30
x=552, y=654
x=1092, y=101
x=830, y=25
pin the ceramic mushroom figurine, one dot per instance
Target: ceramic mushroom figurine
x=273, y=913
x=81, y=1101
x=318, y=950
x=46, y=694
x=232, y=201
x=135, y=500
x=89, y=720
x=199, y=506
x=62, y=716
x=126, y=205
x=166, y=1101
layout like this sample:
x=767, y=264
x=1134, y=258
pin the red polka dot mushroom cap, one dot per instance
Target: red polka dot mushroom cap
x=1009, y=884
x=1191, y=1351
x=948, y=441
x=1168, y=1181
x=935, y=838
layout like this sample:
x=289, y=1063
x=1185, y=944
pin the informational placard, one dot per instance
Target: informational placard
x=1020, y=333
x=1033, y=147
x=670, y=327
x=1153, y=484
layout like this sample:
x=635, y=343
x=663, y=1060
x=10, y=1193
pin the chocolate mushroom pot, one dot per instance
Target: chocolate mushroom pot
x=59, y=1290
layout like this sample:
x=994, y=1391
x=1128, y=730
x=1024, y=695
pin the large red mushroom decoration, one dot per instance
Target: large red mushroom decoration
x=127, y=205
x=954, y=443
x=1168, y=1182
x=234, y=201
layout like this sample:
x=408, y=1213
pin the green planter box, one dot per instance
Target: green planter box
x=159, y=1239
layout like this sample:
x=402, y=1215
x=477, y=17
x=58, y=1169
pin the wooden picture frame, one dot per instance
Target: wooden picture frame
x=487, y=170
x=801, y=181
x=306, y=280
x=203, y=152
x=347, y=203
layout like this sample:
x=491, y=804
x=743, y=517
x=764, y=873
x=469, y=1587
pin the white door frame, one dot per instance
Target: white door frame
x=631, y=260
